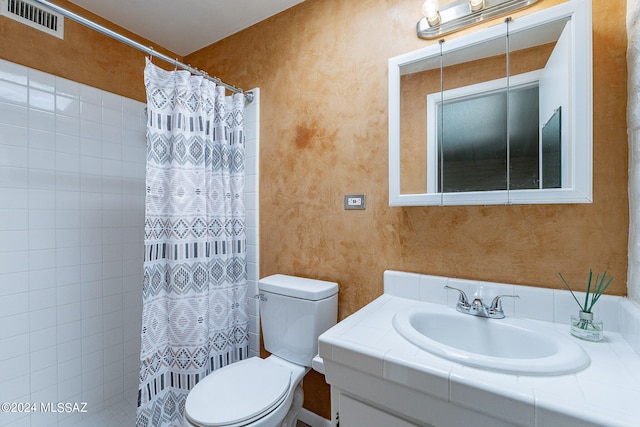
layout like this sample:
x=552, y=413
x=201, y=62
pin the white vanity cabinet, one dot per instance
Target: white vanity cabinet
x=356, y=413
x=373, y=403
x=378, y=378
x=367, y=390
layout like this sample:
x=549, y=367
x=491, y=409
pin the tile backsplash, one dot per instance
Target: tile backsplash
x=619, y=314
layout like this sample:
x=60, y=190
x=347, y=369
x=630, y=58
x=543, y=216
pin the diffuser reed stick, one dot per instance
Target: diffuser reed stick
x=593, y=292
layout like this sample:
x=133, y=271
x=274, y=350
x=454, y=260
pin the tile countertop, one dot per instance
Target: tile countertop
x=606, y=393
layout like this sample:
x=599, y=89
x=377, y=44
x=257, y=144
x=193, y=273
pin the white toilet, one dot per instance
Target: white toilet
x=267, y=392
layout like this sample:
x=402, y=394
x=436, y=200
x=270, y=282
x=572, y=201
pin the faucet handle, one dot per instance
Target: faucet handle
x=496, y=304
x=462, y=299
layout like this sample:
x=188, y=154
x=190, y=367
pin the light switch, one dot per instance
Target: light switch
x=355, y=201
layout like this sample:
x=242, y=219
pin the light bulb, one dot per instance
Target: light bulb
x=430, y=11
x=476, y=5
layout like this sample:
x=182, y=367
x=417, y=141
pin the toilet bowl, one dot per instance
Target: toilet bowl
x=268, y=392
x=253, y=392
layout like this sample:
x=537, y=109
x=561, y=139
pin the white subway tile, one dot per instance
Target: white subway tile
x=43, y=379
x=112, y=320
x=111, y=101
x=41, y=80
x=91, y=94
x=67, y=237
x=69, y=294
x=15, y=390
x=67, y=87
x=14, y=115
x=67, y=106
x=42, y=100
x=13, y=283
x=14, y=262
x=43, y=358
x=68, y=331
x=42, y=299
x=14, y=304
x=68, y=275
x=15, y=94
x=42, y=279
x=14, y=325
x=66, y=257
x=12, y=72
x=42, y=239
x=68, y=218
x=66, y=162
x=68, y=388
x=14, y=346
x=91, y=131
x=14, y=240
x=90, y=112
x=68, y=143
x=41, y=218
x=43, y=338
x=68, y=127
x=92, y=317
x=91, y=273
x=43, y=120
x=13, y=156
x=16, y=136
x=69, y=351
x=68, y=313
x=11, y=369
x=69, y=369
x=42, y=319
x=92, y=352
x=14, y=177
x=111, y=124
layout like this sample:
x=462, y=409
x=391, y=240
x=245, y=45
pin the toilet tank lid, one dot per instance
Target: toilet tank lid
x=298, y=287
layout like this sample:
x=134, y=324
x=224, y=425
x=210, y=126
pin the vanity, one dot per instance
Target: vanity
x=379, y=378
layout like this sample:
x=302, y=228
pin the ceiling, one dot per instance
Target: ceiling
x=184, y=26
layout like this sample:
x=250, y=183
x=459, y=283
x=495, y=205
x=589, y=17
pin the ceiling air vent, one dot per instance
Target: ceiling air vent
x=34, y=15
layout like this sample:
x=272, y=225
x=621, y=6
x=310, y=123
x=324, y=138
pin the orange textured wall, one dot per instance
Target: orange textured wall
x=322, y=70
x=84, y=56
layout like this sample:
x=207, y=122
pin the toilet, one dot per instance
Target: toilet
x=257, y=392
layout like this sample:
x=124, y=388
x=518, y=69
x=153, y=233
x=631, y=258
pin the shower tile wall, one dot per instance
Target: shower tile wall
x=252, y=155
x=72, y=168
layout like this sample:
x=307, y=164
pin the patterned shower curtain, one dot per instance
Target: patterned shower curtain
x=195, y=316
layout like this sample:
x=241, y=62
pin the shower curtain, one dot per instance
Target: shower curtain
x=195, y=316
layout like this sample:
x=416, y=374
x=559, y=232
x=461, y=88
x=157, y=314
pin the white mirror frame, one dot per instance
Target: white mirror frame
x=581, y=120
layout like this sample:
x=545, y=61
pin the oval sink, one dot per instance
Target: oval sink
x=511, y=345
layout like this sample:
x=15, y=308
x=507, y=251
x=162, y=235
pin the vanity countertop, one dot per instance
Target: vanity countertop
x=606, y=393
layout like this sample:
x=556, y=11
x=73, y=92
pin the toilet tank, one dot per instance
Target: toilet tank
x=294, y=311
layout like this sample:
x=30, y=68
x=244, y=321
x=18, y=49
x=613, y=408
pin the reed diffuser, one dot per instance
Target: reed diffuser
x=584, y=326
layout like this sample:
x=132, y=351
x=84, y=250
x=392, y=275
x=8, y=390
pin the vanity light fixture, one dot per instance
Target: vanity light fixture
x=438, y=21
x=430, y=11
x=476, y=5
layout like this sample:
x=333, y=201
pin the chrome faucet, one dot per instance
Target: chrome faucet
x=478, y=308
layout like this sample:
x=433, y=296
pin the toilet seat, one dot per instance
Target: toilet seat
x=238, y=394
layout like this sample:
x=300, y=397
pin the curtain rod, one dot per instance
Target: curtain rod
x=147, y=49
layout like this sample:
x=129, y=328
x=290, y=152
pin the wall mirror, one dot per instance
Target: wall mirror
x=500, y=116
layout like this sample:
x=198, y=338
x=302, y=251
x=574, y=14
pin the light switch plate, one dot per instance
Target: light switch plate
x=355, y=201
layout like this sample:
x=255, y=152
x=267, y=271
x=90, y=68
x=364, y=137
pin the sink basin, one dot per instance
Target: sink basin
x=511, y=345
